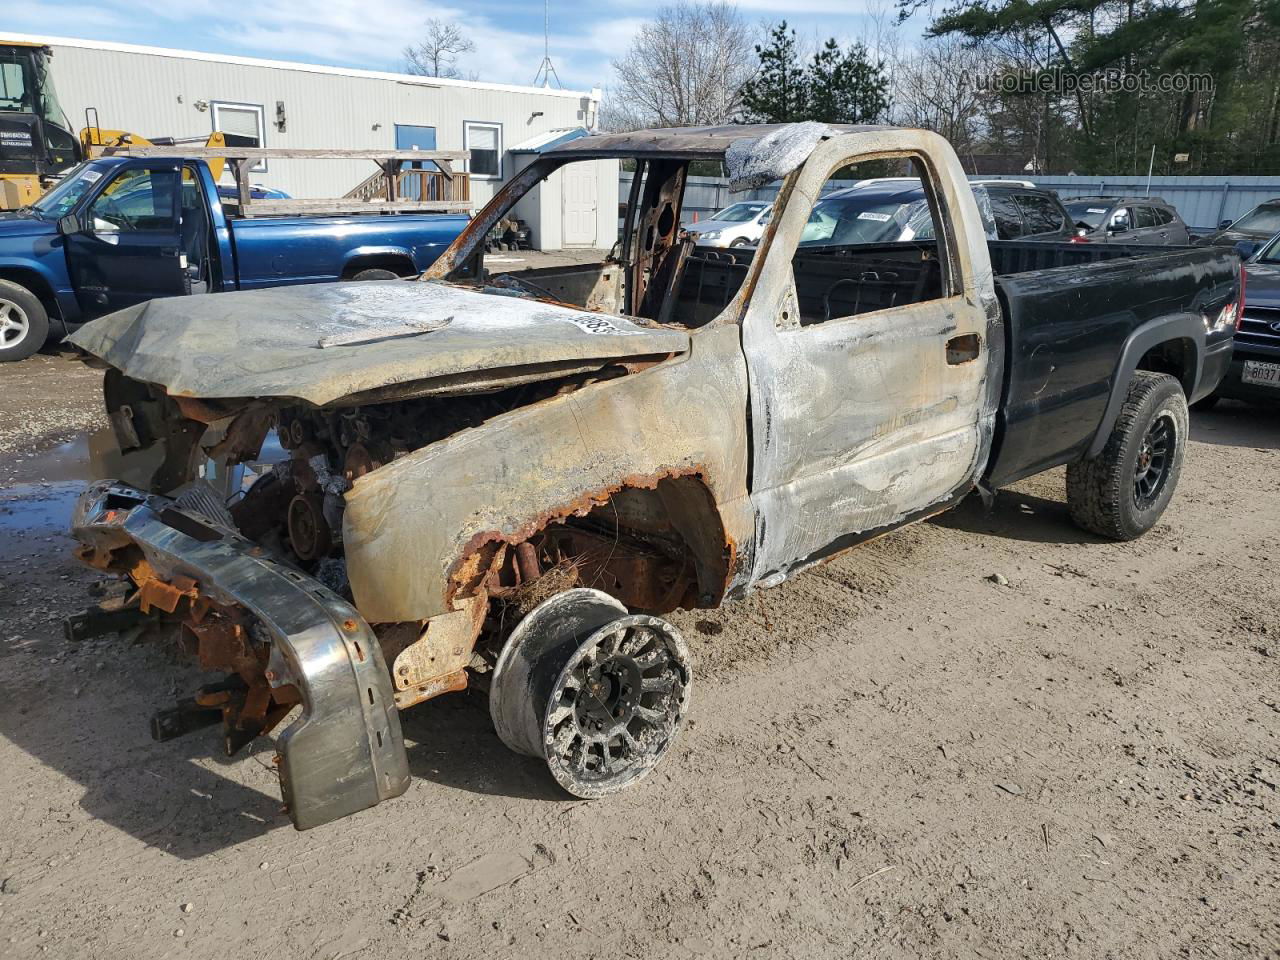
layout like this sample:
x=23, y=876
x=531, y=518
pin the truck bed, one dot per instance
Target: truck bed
x=281, y=251
x=1069, y=309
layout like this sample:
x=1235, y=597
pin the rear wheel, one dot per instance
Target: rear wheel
x=24, y=323
x=1121, y=493
x=375, y=273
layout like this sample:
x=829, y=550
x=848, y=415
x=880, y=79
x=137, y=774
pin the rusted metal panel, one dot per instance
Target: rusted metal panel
x=409, y=523
x=435, y=663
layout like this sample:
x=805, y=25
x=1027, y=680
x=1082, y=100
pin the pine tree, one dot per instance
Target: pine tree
x=779, y=92
x=845, y=86
x=836, y=86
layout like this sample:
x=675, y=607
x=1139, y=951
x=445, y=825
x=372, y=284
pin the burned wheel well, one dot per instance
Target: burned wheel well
x=1174, y=357
x=656, y=544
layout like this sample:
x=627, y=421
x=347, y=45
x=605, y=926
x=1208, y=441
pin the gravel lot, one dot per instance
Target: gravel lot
x=989, y=735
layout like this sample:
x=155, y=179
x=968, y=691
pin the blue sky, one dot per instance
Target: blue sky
x=585, y=37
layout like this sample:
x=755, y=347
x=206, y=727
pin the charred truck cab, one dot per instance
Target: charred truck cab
x=507, y=480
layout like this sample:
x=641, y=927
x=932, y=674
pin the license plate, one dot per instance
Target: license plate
x=1263, y=374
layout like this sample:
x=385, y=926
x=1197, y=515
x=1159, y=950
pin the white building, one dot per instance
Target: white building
x=156, y=92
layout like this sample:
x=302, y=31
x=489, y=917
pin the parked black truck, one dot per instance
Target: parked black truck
x=508, y=480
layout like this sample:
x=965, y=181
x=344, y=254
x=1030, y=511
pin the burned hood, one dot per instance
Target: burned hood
x=323, y=342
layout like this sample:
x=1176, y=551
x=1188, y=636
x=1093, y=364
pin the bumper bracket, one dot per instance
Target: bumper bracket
x=346, y=752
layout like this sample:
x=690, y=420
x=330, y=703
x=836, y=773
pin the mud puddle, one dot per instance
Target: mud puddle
x=38, y=490
x=38, y=508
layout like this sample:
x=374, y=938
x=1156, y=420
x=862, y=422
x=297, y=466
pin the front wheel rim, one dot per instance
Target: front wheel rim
x=1155, y=461
x=617, y=706
x=14, y=324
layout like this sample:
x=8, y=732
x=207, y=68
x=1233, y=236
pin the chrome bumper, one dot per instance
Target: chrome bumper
x=346, y=751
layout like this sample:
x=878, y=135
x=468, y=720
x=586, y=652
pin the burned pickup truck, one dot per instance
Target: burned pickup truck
x=506, y=480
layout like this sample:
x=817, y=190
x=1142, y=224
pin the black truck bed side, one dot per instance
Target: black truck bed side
x=1078, y=320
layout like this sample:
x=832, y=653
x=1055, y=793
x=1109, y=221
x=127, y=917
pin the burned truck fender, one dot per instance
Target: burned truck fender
x=423, y=533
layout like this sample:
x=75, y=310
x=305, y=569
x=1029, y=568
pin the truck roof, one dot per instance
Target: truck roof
x=697, y=143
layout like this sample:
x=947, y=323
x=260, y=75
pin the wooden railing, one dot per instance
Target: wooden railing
x=414, y=185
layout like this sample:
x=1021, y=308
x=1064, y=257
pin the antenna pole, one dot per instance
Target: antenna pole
x=547, y=69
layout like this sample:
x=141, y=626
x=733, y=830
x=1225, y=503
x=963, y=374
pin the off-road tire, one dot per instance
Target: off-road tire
x=375, y=273
x=1102, y=493
x=18, y=305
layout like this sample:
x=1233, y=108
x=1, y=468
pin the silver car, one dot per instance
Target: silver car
x=1147, y=220
x=736, y=225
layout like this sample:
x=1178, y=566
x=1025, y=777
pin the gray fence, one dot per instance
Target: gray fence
x=1202, y=201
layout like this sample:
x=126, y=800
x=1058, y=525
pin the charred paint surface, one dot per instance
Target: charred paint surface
x=860, y=421
x=399, y=336
x=408, y=524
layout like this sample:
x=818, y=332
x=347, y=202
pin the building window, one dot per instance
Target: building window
x=243, y=125
x=484, y=140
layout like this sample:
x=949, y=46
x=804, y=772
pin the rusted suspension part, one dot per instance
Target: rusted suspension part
x=598, y=694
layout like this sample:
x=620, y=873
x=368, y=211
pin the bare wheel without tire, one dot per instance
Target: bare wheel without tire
x=598, y=694
x=1123, y=491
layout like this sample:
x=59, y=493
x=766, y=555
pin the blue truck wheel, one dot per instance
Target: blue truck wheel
x=24, y=323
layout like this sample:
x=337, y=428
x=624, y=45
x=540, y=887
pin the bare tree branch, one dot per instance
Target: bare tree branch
x=934, y=89
x=686, y=67
x=436, y=55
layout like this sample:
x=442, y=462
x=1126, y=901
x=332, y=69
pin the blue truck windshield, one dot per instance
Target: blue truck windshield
x=60, y=201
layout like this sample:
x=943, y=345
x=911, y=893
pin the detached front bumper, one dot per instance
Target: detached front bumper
x=346, y=752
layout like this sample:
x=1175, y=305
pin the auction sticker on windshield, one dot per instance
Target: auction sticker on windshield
x=877, y=217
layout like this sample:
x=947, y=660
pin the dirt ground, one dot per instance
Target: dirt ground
x=898, y=754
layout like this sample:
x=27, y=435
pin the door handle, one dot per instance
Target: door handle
x=963, y=348
x=168, y=251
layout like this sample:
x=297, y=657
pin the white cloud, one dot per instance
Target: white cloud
x=585, y=38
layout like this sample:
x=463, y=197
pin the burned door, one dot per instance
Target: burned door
x=869, y=361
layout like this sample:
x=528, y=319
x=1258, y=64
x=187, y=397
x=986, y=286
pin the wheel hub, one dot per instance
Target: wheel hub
x=597, y=694
x=14, y=324
x=1154, y=461
x=616, y=706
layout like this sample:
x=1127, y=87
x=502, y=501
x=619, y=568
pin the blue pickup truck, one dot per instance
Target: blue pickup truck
x=119, y=230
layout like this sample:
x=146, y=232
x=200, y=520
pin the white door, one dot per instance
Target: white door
x=580, y=200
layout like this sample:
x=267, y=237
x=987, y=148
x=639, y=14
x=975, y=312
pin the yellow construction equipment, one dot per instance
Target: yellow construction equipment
x=36, y=142
x=94, y=141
